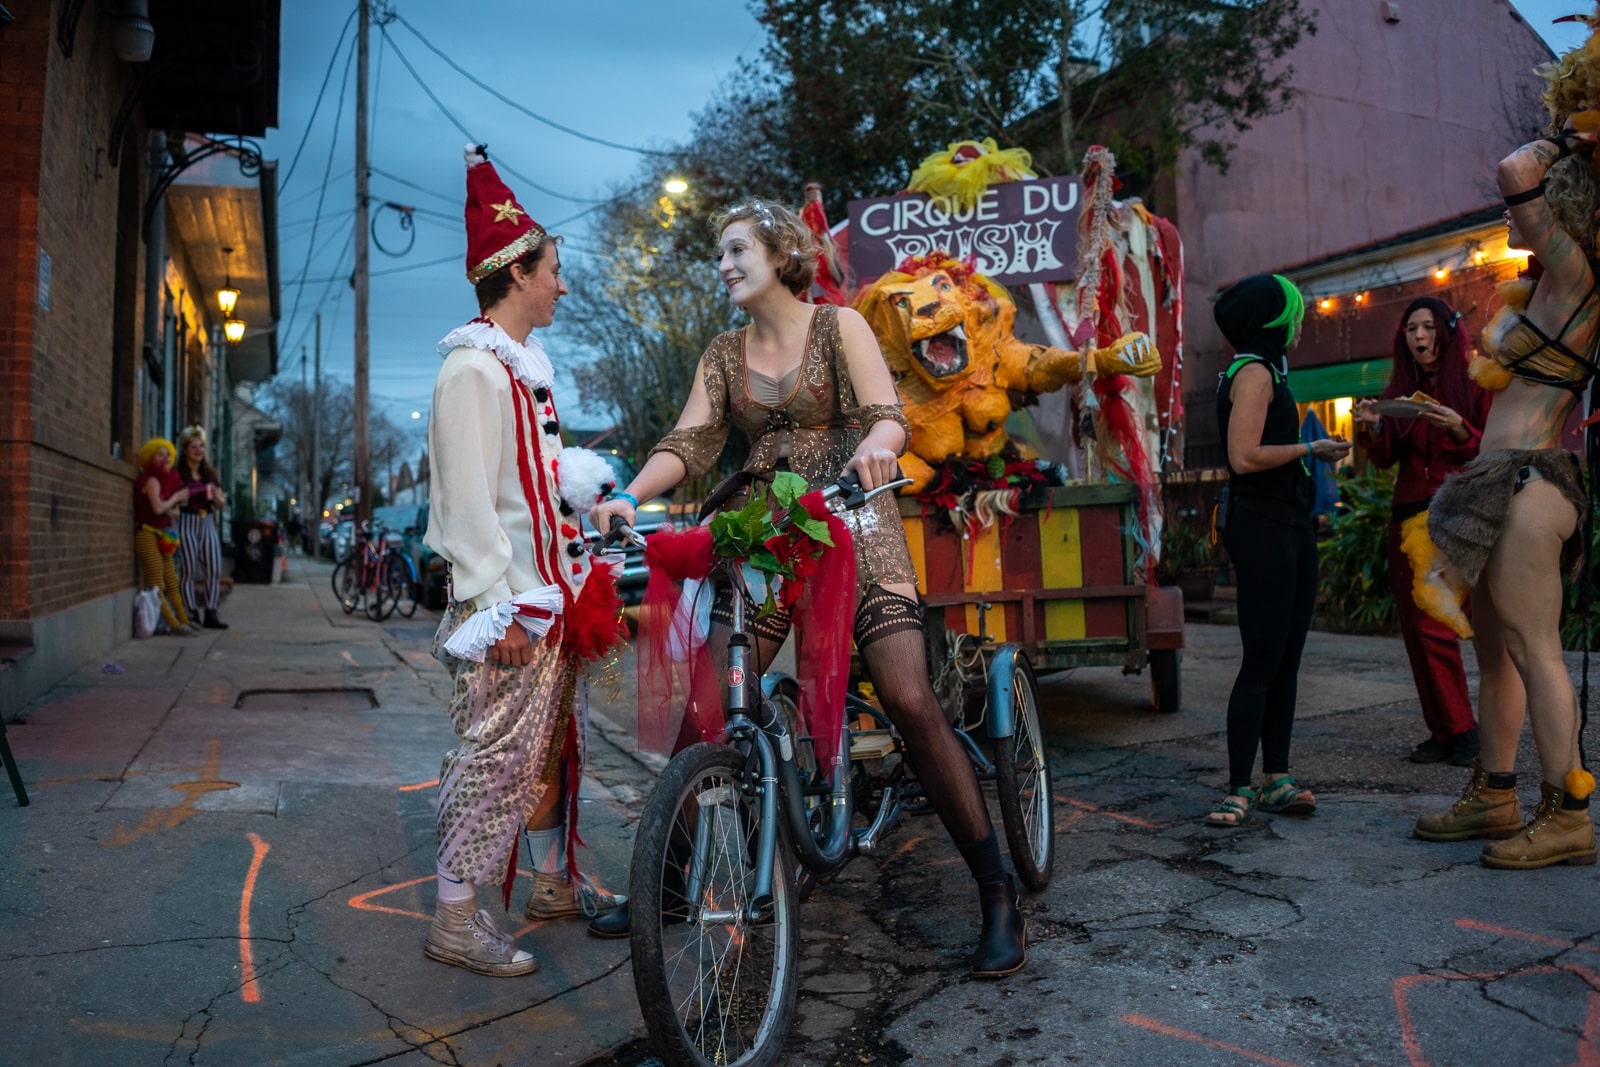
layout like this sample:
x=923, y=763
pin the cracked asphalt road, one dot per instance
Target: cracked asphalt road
x=1333, y=939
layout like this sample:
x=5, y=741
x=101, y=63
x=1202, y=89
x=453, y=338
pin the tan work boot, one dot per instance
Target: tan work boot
x=558, y=896
x=1554, y=835
x=1481, y=812
x=466, y=938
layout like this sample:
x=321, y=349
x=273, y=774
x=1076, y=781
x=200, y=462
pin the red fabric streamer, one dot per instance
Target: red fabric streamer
x=823, y=617
x=668, y=686
x=594, y=623
x=830, y=278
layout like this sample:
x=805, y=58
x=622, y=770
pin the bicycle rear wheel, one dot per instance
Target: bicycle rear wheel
x=347, y=587
x=380, y=595
x=1022, y=779
x=715, y=985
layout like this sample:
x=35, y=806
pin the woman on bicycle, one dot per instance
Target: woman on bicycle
x=809, y=387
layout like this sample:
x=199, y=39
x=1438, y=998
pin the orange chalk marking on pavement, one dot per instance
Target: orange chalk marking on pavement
x=169, y=818
x=1523, y=935
x=1117, y=815
x=249, y=990
x=363, y=901
x=1588, y=1044
x=1199, y=1039
x=419, y=785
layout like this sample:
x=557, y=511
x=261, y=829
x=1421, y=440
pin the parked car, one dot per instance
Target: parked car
x=651, y=515
x=409, y=523
x=343, y=538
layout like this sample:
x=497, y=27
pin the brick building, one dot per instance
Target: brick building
x=112, y=235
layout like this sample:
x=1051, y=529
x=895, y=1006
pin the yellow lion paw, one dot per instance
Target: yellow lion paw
x=1488, y=373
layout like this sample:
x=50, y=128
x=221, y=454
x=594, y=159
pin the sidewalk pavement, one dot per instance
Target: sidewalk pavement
x=229, y=860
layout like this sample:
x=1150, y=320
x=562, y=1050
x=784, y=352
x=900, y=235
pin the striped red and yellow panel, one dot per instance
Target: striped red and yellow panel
x=1067, y=547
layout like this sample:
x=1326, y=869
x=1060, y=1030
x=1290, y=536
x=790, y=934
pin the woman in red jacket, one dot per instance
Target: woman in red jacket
x=1430, y=356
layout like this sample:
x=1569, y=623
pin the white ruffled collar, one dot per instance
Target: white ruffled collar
x=527, y=361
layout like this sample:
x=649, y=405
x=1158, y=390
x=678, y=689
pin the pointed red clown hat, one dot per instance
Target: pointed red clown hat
x=499, y=231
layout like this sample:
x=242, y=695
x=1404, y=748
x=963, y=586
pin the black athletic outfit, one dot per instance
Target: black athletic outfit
x=1272, y=543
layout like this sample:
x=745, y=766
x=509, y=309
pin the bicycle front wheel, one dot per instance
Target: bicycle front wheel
x=716, y=983
x=1022, y=778
x=401, y=588
x=380, y=594
x=347, y=587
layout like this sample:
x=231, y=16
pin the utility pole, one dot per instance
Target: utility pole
x=363, y=452
x=318, y=496
x=305, y=468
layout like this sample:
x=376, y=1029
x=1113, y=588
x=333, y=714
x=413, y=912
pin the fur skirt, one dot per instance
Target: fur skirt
x=1468, y=512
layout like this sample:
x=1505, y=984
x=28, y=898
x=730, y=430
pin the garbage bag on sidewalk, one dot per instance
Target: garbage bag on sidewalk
x=146, y=611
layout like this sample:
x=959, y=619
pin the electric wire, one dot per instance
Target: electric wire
x=333, y=148
x=459, y=257
x=332, y=59
x=448, y=114
x=308, y=194
x=451, y=200
x=430, y=46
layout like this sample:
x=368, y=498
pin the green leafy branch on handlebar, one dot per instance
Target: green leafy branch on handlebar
x=775, y=534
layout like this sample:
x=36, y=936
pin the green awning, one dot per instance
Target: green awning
x=1363, y=379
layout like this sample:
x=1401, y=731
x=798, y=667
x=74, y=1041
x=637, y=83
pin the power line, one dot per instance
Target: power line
x=344, y=236
x=341, y=176
x=446, y=112
x=332, y=59
x=459, y=257
x=451, y=200
x=430, y=46
x=333, y=147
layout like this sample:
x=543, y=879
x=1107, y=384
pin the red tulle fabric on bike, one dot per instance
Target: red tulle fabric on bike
x=825, y=617
x=668, y=686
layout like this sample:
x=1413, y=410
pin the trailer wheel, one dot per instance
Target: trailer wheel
x=1166, y=679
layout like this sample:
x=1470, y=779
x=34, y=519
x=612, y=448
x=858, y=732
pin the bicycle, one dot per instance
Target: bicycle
x=734, y=833
x=363, y=578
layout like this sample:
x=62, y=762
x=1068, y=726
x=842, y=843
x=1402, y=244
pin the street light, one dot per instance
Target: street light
x=233, y=330
x=676, y=186
x=227, y=296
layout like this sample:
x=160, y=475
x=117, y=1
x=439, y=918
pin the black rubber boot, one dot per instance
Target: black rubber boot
x=212, y=622
x=613, y=924
x=1003, y=944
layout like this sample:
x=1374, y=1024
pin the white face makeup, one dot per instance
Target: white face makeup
x=1422, y=338
x=744, y=264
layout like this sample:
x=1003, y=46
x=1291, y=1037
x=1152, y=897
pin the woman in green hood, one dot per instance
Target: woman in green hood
x=1266, y=524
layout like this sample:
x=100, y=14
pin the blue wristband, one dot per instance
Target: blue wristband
x=629, y=497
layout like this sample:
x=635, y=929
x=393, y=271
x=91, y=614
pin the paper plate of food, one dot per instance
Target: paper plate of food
x=1404, y=407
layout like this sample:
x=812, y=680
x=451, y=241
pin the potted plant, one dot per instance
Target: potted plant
x=1188, y=557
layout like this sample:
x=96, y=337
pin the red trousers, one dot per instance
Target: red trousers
x=1434, y=652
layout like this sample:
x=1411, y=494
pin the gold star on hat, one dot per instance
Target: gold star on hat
x=507, y=210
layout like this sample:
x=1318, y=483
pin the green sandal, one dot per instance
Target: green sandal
x=1231, y=810
x=1283, y=796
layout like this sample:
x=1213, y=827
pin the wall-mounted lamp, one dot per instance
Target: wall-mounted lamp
x=233, y=330
x=1325, y=304
x=134, y=38
x=227, y=296
x=1440, y=274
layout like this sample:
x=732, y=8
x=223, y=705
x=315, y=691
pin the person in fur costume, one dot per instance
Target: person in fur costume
x=528, y=607
x=1510, y=524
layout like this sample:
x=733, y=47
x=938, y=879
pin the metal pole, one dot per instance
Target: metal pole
x=316, y=448
x=304, y=479
x=363, y=455
x=155, y=280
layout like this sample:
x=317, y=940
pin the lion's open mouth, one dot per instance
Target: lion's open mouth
x=943, y=354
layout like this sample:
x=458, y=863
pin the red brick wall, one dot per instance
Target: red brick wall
x=66, y=512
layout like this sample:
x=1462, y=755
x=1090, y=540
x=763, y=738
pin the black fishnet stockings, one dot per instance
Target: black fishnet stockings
x=890, y=639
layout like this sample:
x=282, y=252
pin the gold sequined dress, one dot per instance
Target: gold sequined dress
x=817, y=430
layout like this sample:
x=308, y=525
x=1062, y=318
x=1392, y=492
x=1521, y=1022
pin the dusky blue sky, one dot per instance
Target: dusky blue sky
x=626, y=71
x=629, y=71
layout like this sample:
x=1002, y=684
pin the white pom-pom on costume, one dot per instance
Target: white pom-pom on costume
x=584, y=478
x=471, y=640
x=473, y=156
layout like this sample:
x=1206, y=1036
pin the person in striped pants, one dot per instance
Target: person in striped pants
x=199, y=548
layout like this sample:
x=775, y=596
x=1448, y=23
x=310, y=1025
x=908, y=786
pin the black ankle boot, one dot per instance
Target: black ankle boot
x=1003, y=944
x=613, y=924
x=212, y=622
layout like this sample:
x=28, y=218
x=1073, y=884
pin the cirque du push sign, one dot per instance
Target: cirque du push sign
x=1019, y=232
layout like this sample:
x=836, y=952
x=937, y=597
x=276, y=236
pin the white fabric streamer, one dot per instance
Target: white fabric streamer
x=471, y=640
x=526, y=360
